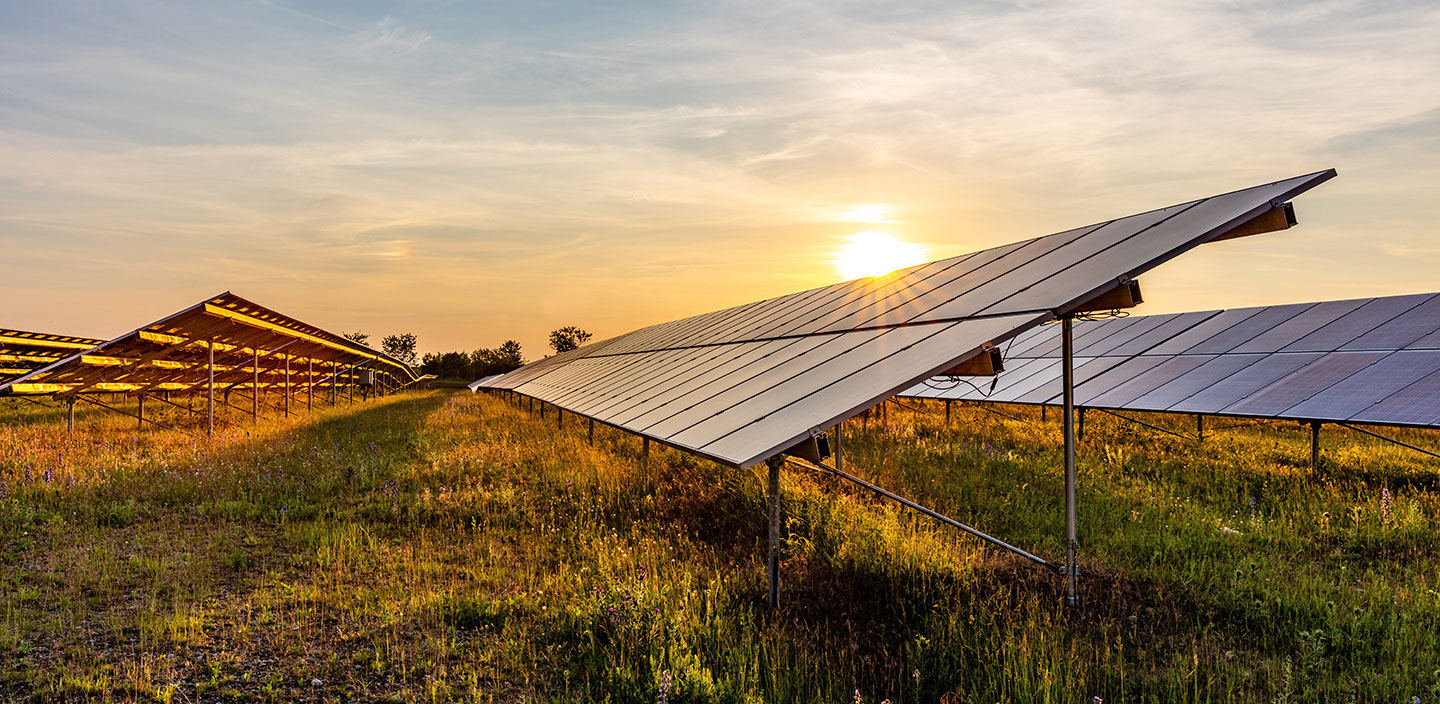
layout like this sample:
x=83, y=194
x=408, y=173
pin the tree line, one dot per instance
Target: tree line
x=469, y=365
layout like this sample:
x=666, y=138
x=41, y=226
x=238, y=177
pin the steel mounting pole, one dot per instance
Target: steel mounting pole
x=1200, y=427
x=1067, y=366
x=592, y=431
x=255, y=388
x=140, y=412
x=70, y=419
x=773, y=563
x=839, y=445
x=309, y=385
x=287, y=385
x=1314, y=447
x=210, y=404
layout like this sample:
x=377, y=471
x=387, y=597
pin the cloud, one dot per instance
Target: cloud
x=389, y=34
x=667, y=161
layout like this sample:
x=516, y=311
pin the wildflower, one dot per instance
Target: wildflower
x=1098, y=700
x=857, y=697
x=664, y=687
x=1385, y=514
x=1252, y=508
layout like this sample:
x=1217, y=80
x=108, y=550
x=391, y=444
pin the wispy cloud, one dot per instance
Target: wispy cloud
x=519, y=160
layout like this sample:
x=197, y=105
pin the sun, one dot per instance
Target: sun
x=868, y=253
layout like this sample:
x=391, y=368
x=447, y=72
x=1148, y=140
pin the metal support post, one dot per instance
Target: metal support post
x=773, y=489
x=210, y=404
x=351, y=383
x=140, y=412
x=70, y=419
x=1067, y=366
x=592, y=431
x=839, y=443
x=1081, y=433
x=309, y=385
x=559, y=418
x=1043, y=409
x=287, y=385
x=1200, y=428
x=1314, y=447
x=947, y=412
x=255, y=389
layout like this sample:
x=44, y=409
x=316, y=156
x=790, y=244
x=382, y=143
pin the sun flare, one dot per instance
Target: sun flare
x=868, y=253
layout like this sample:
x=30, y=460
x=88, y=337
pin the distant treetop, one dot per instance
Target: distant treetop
x=568, y=338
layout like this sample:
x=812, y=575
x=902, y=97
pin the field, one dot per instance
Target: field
x=441, y=546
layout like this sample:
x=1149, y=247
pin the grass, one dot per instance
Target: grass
x=437, y=546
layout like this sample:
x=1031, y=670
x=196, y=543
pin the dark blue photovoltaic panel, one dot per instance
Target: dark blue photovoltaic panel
x=1416, y=404
x=1305, y=382
x=1244, y=331
x=1404, y=329
x=1172, y=325
x=1210, y=327
x=1391, y=347
x=1145, y=381
x=1364, y=389
x=1307, y=320
x=1376, y=312
x=740, y=385
x=1101, y=347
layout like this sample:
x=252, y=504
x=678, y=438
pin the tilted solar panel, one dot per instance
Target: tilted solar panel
x=23, y=351
x=743, y=384
x=1364, y=361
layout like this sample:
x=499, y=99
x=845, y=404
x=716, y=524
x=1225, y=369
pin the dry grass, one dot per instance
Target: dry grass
x=439, y=547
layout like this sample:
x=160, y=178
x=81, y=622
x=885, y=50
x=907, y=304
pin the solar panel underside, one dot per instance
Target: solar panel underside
x=253, y=346
x=743, y=384
x=22, y=351
x=1374, y=360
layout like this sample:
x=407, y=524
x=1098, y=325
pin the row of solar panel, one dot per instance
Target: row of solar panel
x=1368, y=360
x=743, y=384
x=1024, y=277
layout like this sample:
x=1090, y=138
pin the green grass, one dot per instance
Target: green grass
x=443, y=547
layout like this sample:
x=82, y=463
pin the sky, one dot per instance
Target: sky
x=475, y=172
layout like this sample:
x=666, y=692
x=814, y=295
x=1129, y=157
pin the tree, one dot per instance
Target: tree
x=401, y=347
x=498, y=360
x=357, y=336
x=568, y=338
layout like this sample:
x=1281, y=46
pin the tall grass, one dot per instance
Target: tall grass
x=439, y=547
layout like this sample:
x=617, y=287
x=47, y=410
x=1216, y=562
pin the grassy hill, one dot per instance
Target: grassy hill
x=437, y=546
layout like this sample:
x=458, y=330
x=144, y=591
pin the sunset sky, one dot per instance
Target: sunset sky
x=475, y=172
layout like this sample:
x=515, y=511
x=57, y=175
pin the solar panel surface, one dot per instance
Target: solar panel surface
x=251, y=342
x=1371, y=360
x=22, y=351
x=743, y=384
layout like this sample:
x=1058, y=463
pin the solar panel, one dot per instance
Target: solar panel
x=1145, y=379
x=1368, y=362
x=1404, y=329
x=24, y=351
x=742, y=384
x=171, y=354
x=1372, y=385
x=1305, y=382
x=1166, y=330
x=1375, y=312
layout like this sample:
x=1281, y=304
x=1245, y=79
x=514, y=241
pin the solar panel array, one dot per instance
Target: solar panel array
x=1371, y=360
x=252, y=344
x=743, y=384
x=22, y=351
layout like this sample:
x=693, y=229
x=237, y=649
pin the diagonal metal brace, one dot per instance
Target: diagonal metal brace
x=937, y=516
